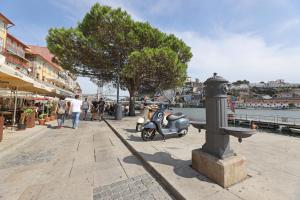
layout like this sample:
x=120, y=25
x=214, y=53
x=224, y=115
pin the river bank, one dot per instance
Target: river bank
x=199, y=113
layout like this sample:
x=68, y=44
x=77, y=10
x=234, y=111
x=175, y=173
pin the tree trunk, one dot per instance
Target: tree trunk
x=131, y=104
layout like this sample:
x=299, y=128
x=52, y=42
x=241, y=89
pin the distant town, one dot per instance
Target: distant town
x=271, y=95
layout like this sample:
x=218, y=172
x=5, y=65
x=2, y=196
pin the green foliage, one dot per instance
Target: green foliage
x=108, y=45
x=41, y=116
x=240, y=82
x=158, y=68
x=292, y=105
x=28, y=111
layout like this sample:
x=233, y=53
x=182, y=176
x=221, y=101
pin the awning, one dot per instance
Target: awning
x=13, y=79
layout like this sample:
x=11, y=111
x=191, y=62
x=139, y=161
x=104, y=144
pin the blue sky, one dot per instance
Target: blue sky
x=257, y=40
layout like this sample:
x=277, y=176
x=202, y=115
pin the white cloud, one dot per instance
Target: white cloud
x=288, y=25
x=241, y=56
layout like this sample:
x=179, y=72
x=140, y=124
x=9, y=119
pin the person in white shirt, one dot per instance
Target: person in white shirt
x=75, y=109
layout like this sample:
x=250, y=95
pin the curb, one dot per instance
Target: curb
x=159, y=177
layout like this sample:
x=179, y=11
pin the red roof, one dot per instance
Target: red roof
x=6, y=20
x=17, y=40
x=45, y=54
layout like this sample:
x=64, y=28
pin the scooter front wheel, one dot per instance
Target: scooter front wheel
x=183, y=132
x=148, y=134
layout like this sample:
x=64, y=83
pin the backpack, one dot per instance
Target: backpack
x=85, y=105
x=61, y=108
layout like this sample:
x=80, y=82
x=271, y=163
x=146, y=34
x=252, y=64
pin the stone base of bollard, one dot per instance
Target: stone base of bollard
x=224, y=172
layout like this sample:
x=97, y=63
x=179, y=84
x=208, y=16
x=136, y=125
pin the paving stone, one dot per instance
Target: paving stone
x=142, y=187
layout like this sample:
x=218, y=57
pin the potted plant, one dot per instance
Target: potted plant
x=30, y=117
x=41, y=119
x=21, y=124
x=46, y=117
x=52, y=116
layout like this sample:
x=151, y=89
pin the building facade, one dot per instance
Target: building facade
x=34, y=62
x=44, y=69
x=4, y=24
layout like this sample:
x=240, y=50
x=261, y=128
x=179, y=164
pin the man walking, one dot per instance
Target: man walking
x=85, y=108
x=101, y=106
x=75, y=109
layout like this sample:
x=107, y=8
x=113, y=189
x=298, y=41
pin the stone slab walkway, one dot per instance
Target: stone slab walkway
x=273, y=163
x=82, y=164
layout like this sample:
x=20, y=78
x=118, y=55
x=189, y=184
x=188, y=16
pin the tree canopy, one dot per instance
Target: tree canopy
x=108, y=45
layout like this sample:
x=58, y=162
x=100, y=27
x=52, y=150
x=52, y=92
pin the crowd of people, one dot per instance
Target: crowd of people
x=75, y=107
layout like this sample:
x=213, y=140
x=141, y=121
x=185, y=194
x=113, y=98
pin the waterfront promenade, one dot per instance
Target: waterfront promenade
x=65, y=164
x=93, y=163
x=273, y=163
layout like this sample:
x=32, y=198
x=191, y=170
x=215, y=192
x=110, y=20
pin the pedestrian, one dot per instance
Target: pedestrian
x=60, y=111
x=85, y=108
x=101, y=106
x=94, y=110
x=75, y=109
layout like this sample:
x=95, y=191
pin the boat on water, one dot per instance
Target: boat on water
x=295, y=130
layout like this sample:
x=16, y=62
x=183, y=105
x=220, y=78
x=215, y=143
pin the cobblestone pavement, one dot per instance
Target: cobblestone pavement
x=141, y=187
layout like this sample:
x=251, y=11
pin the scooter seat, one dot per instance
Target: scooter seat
x=175, y=117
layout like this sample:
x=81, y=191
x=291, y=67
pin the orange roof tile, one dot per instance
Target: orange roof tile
x=45, y=54
x=17, y=40
x=6, y=20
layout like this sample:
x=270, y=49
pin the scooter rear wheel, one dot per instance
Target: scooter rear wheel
x=148, y=134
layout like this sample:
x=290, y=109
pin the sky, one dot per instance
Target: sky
x=256, y=40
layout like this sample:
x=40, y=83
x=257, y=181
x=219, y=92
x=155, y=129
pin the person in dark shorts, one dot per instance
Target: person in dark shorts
x=94, y=110
x=101, y=106
x=60, y=111
x=85, y=108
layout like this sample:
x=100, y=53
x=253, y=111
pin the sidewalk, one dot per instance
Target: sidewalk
x=12, y=139
x=273, y=163
x=82, y=164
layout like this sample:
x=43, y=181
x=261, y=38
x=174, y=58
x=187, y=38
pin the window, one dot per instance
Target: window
x=1, y=43
x=2, y=25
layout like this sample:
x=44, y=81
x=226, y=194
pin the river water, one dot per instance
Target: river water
x=199, y=113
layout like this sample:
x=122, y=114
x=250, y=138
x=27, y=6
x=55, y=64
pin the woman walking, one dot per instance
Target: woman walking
x=60, y=111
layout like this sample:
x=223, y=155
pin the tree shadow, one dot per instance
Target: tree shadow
x=181, y=168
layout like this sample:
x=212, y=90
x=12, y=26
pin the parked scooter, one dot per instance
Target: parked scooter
x=147, y=114
x=177, y=125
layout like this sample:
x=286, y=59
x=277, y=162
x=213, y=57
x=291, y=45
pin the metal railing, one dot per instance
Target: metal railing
x=262, y=118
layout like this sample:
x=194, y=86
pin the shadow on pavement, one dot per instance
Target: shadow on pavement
x=180, y=167
x=138, y=138
x=130, y=130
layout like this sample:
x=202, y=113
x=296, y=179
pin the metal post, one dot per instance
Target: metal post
x=15, y=107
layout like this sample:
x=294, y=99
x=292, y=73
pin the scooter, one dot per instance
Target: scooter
x=147, y=114
x=177, y=124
